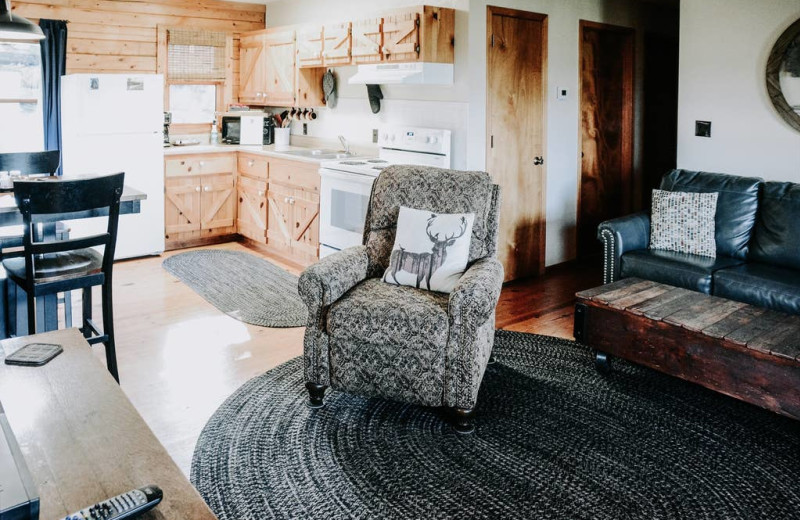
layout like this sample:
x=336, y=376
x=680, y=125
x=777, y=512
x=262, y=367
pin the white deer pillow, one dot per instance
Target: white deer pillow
x=430, y=250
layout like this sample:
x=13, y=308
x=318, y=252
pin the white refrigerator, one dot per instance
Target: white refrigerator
x=114, y=123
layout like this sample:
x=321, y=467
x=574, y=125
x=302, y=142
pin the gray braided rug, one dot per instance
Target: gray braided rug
x=554, y=439
x=241, y=285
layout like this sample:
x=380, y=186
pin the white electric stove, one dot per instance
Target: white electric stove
x=346, y=184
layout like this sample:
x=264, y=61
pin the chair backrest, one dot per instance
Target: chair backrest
x=433, y=189
x=31, y=163
x=54, y=199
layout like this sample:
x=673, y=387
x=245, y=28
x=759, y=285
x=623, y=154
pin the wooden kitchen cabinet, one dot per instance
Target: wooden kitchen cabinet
x=280, y=67
x=200, y=202
x=252, y=209
x=293, y=219
x=310, y=43
x=367, y=41
x=252, y=68
x=336, y=49
x=421, y=33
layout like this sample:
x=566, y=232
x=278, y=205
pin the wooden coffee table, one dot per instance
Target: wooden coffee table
x=746, y=352
x=81, y=438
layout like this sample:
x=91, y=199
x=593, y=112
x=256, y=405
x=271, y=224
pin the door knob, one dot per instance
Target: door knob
x=260, y=193
x=538, y=160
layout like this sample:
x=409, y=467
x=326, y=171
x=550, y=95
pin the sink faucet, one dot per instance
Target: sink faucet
x=345, y=144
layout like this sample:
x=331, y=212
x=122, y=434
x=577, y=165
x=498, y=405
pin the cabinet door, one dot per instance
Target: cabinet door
x=252, y=68
x=251, y=218
x=280, y=62
x=181, y=208
x=401, y=36
x=309, y=47
x=367, y=41
x=218, y=204
x=305, y=225
x=280, y=219
x=336, y=50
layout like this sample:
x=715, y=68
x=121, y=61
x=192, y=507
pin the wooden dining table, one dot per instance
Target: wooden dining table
x=47, y=306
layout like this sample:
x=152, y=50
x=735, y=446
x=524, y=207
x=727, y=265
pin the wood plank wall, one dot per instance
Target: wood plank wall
x=120, y=35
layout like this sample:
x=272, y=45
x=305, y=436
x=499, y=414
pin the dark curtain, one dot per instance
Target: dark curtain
x=54, y=65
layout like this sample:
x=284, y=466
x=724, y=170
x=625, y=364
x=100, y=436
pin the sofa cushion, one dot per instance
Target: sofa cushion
x=390, y=341
x=736, y=206
x=776, y=239
x=677, y=269
x=764, y=285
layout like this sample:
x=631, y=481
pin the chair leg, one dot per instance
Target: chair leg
x=463, y=420
x=108, y=330
x=316, y=393
x=86, y=315
x=31, y=312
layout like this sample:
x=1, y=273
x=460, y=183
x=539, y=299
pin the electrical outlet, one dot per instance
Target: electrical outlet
x=374, y=135
x=702, y=128
x=305, y=128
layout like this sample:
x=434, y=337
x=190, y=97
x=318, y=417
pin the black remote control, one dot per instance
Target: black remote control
x=127, y=505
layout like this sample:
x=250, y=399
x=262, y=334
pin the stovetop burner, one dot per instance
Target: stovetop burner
x=377, y=161
x=378, y=167
x=353, y=163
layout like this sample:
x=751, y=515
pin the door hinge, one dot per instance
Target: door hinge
x=493, y=40
x=491, y=145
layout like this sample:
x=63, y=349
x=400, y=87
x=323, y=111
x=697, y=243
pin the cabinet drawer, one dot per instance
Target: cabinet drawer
x=295, y=173
x=255, y=185
x=253, y=165
x=199, y=165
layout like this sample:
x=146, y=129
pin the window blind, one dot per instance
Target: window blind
x=195, y=55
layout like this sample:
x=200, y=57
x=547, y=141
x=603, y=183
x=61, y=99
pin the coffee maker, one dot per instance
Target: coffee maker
x=167, y=122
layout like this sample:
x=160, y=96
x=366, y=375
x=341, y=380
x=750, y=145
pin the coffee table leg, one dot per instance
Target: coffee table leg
x=602, y=362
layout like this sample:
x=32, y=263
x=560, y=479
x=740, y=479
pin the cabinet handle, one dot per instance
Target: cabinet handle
x=197, y=189
x=258, y=94
x=202, y=163
x=250, y=163
x=291, y=201
x=286, y=200
x=260, y=193
x=206, y=188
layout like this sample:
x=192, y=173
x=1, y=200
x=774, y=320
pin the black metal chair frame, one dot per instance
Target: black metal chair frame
x=30, y=163
x=48, y=201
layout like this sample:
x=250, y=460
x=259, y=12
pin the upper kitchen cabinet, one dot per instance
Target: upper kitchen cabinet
x=280, y=67
x=252, y=68
x=310, y=44
x=422, y=33
x=367, y=41
x=336, y=49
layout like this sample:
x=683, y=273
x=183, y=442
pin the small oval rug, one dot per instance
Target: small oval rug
x=242, y=286
x=554, y=439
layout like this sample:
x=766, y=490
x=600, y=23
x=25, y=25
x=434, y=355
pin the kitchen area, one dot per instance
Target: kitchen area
x=286, y=168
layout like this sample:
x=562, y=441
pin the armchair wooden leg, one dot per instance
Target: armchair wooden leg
x=602, y=362
x=463, y=420
x=316, y=393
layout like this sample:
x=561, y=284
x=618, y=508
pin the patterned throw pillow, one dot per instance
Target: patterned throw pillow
x=430, y=250
x=684, y=222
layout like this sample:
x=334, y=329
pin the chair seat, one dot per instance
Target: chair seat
x=389, y=341
x=770, y=286
x=57, y=266
x=677, y=269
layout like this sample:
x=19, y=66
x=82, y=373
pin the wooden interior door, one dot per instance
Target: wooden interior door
x=218, y=204
x=515, y=115
x=606, y=189
x=280, y=75
x=252, y=68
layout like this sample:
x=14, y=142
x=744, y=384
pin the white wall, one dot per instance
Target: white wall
x=723, y=56
x=462, y=107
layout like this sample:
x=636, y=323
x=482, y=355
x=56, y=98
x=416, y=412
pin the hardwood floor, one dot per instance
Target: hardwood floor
x=180, y=357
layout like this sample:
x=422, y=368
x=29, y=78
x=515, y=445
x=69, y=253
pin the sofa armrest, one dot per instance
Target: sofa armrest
x=619, y=236
x=471, y=312
x=326, y=281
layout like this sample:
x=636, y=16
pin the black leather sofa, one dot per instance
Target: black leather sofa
x=757, y=235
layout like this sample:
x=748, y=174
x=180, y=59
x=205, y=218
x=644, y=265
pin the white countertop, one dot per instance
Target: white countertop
x=268, y=150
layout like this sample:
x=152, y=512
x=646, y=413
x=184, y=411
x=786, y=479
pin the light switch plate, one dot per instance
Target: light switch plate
x=702, y=128
x=561, y=93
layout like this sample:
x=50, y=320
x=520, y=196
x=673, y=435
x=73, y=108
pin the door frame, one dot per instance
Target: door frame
x=492, y=11
x=628, y=110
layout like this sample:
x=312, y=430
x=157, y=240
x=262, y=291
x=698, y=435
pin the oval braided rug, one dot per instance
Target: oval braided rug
x=554, y=439
x=241, y=285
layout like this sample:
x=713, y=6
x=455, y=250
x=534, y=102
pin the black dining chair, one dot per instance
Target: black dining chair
x=28, y=164
x=50, y=266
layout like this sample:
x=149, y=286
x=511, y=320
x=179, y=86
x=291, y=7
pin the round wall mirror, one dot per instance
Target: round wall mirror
x=783, y=75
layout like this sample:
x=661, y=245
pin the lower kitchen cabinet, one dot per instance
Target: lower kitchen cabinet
x=293, y=224
x=198, y=207
x=251, y=221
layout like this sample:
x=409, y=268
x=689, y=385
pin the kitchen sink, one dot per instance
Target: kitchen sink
x=320, y=154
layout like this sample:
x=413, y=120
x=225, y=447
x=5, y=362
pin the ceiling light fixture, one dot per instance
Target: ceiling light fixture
x=16, y=28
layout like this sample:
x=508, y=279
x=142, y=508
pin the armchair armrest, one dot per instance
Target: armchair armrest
x=619, y=236
x=326, y=281
x=476, y=293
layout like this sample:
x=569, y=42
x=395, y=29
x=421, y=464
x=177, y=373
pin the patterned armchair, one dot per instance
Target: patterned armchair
x=372, y=338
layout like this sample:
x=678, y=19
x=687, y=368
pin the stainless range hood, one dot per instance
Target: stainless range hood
x=404, y=74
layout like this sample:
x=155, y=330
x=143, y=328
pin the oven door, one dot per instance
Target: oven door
x=343, y=205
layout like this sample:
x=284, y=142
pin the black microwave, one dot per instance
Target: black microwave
x=232, y=129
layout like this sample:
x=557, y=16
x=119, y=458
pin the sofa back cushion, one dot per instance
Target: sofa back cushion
x=776, y=239
x=737, y=205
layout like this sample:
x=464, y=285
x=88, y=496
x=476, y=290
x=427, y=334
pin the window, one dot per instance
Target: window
x=22, y=129
x=196, y=72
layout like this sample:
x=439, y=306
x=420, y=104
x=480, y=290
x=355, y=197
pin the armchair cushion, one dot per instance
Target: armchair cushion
x=326, y=281
x=693, y=272
x=389, y=341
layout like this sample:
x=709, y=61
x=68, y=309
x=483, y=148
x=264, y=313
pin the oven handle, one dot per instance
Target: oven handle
x=343, y=176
